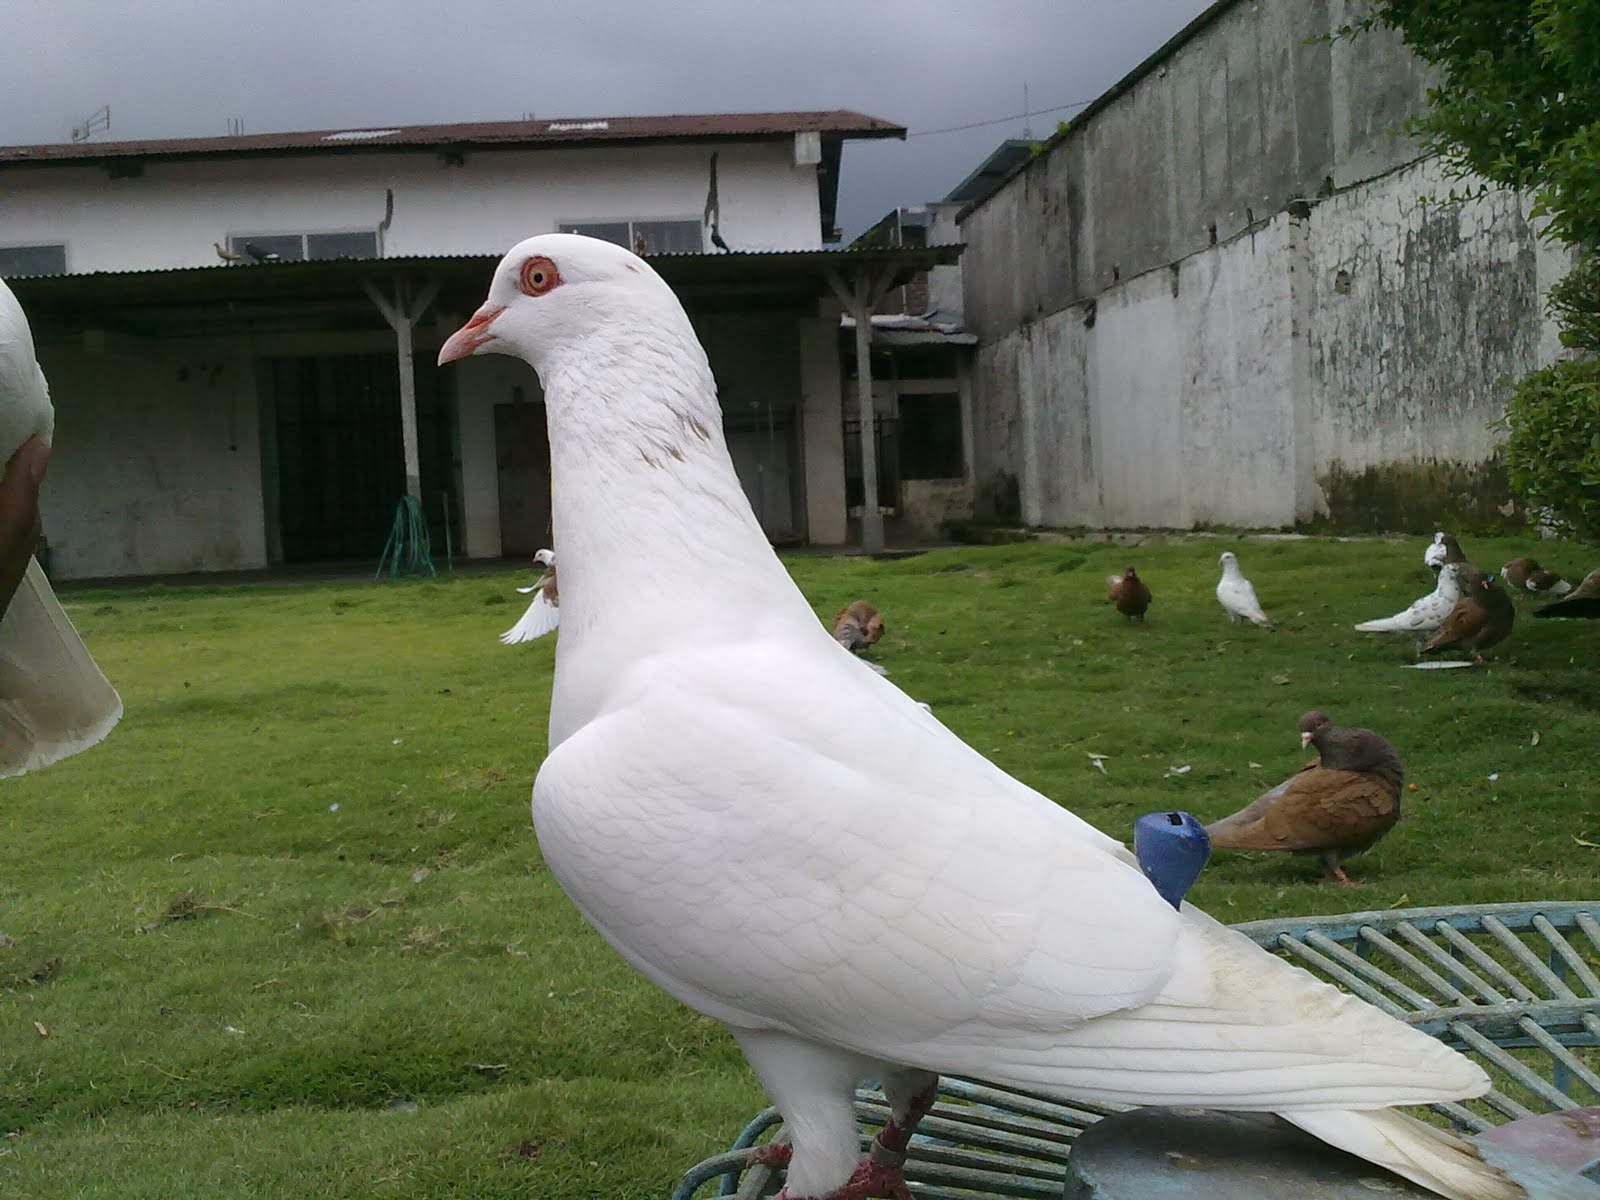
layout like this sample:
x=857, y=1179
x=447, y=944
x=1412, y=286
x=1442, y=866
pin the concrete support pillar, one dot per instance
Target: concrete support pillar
x=402, y=308
x=860, y=293
x=822, y=428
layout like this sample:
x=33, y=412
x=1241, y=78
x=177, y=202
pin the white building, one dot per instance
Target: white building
x=220, y=317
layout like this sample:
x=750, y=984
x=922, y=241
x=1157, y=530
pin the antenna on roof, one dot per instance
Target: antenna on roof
x=235, y=126
x=1027, y=115
x=98, y=121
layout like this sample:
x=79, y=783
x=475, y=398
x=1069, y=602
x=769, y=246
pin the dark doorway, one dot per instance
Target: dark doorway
x=522, y=459
x=340, y=464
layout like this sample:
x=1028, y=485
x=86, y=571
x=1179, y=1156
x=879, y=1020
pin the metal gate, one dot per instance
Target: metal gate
x=340, y=465
x=888, y=438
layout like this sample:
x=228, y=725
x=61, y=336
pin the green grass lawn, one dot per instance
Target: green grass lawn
x=287, y=932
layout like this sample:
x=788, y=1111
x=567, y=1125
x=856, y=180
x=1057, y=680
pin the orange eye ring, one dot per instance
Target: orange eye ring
x=538, y=276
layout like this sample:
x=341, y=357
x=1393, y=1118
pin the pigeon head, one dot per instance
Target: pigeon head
x=1309, y=725
x=545, y=558
x=1228, y=556
x=553, y=292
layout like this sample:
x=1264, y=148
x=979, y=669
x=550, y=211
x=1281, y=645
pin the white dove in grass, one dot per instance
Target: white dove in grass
x=544, y=614
x=54, y=701
x=1237, y=595
x=1424, y=616
x=790, y=845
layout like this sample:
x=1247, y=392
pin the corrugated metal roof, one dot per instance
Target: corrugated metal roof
x=935, y=255
x=539, y=132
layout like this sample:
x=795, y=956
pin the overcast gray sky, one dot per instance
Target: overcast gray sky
x=178, y=68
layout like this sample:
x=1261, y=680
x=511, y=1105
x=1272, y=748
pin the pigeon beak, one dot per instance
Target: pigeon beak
x=1305, y=740
x=472, y=336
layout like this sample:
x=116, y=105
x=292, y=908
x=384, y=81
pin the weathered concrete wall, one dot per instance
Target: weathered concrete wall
x=159, y=462
x=1232, y=283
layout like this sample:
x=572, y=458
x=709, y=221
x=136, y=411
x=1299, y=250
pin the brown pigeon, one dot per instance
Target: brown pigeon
x=1129, y=593
x=1526, y=575
x=1582, y=601
x=857, y=625
x=1333, y=808
x=1481, y=618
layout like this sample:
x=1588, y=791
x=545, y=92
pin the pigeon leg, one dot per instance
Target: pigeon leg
x=813, y=1087
x=911, y=1094
x=1332, y=872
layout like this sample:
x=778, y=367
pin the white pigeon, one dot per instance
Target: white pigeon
x=1425, y=615
x=1237, y=595
x=1433, y=556
x=54, y=701
x=790, y=845
x=544, y=614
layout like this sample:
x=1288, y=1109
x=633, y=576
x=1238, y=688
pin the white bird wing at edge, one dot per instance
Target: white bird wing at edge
x=539, y=619
x=923, y=907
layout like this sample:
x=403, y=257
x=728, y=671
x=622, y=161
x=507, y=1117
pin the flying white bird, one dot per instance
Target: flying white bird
x=1237, y=595
x=1425, y=615
x=54, y=701
x=544, y=614
x=792, y=846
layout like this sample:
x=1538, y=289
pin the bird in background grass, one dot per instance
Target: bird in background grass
x=544, y=613
x=54, y=701
x=1443, y=550
x=791, y=846
x=1426, y=614
x=1129, y=593
x=1480, y=619
x=855, y=627
x=1526, y=575
x=1237, y=595
x=1582, y=601
x=1333, y=808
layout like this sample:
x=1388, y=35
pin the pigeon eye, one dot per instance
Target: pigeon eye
x=538, y=276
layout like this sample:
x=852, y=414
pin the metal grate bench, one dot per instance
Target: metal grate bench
x=1514, y=986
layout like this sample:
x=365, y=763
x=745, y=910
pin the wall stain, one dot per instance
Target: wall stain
x=1419, y=497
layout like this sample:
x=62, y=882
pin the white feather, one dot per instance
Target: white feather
x=796, y=848
x=1237, y=595
x=542, y=615
x=1424, y=616
x=54, y=701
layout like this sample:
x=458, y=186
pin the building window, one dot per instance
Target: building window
x=930, y=436
x=299, y=247
x=16, y=261
x=643, y=237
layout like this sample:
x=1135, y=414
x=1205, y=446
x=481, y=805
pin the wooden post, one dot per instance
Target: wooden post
x=859, y=299
x=402, y=311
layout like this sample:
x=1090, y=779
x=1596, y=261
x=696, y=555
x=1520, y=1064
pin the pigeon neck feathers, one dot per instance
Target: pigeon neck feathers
x=652, y=526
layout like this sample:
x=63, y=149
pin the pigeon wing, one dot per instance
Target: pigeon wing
x=850, y=872
x=540, y=618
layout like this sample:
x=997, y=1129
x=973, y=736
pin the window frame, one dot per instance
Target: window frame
x=235, y=241
x=563, y=226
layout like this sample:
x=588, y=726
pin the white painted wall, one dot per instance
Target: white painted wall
x=157, y=467
x=1421, y=316
x=170, y=215
x=1221, y=389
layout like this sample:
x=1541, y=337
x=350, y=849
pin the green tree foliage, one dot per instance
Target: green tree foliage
x=1518, y=102
x=1553, y=445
